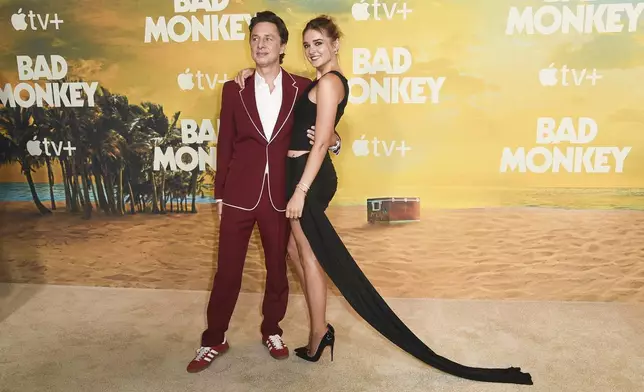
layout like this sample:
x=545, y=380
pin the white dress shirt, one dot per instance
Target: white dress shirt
x=268, y=103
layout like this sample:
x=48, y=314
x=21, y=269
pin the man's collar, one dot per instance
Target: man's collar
x=259, y=80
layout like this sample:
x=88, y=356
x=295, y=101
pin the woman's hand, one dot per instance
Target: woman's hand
x=295, y=205
x=242, y=75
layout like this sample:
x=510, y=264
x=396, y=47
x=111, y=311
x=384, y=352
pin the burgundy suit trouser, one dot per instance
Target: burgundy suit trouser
x=235, y=229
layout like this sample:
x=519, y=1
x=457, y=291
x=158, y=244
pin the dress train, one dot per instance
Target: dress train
x=340, y=266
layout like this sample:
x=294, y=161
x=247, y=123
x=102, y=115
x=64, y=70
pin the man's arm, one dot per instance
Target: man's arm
x=225, y=140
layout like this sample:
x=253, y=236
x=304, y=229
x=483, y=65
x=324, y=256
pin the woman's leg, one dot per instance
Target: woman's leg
x=315, y=286
x=296, y=262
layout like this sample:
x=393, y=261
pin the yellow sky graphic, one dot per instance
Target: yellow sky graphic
x=491, y=98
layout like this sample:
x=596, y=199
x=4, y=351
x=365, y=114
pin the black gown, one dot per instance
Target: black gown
x=340, y=266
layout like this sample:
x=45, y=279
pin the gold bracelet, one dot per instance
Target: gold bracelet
x=301, y=186
x=304, y=185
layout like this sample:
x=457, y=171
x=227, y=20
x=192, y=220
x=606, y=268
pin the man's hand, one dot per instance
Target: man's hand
x=311, y=135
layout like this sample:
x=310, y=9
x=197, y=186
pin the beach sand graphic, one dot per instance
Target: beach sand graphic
x=485, y=253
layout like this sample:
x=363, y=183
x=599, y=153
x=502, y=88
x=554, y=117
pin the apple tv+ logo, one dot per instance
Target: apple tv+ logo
x=34, y=147
x=19, y=21
x=360, y=147
x=360, y=11
x=565, y=76
x=186, y=80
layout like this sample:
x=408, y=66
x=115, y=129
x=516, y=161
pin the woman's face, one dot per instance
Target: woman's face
x=318, y=48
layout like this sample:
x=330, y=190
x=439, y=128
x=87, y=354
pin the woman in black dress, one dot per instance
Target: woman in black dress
x=312, y=183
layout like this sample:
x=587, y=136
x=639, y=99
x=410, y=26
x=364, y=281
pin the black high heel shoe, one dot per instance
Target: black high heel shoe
x=304, y=349
x=327, y=340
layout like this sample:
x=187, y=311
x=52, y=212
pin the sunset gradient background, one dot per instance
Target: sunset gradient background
x=490, y=100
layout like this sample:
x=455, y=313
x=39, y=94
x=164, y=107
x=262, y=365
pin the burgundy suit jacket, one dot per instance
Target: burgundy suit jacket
x=243, y=149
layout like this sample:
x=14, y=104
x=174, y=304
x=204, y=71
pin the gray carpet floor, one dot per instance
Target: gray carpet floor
x=71, y=338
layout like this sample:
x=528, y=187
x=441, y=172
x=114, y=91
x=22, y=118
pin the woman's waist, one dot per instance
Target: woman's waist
x=296, y=166
x=296, y=158
x=297, y=153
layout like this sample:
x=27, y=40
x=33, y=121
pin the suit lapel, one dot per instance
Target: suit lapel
x=289, y=95
x=247, y=95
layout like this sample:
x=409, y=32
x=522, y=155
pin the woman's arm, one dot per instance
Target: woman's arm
x=329, y=93
x=334, y=145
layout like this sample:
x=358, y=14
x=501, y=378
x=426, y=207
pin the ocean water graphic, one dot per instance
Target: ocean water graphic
x=17, y=191
x=457, y=197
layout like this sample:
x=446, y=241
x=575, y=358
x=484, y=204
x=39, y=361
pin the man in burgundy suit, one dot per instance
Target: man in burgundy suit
x=250, y=184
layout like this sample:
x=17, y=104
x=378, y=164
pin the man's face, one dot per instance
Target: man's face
x=265, y=44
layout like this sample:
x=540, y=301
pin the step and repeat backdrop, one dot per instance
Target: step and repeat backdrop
x=491, y=149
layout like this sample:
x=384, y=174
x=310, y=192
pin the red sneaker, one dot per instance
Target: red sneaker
x=205, y=356
x=276, y=347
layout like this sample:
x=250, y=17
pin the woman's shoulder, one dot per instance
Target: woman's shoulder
x=332, y=79
x=335, y=85
x=335, y=75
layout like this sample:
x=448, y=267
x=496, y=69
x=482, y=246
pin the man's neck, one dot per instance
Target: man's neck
x=269, y=73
